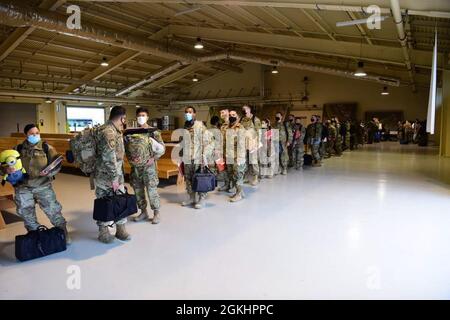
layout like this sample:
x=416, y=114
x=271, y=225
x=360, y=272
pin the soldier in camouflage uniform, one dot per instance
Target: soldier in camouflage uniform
x=347, y=125
x=298, y=146
x=291, y=124
x=338, y=142
x=331, y=137
x=108, y=177
x=252, y=124
x=285, y=138
x=142, y=150
x=37, y=188
x=235, y=142
x=224, y=115
x=314, y=137
x=196, y=153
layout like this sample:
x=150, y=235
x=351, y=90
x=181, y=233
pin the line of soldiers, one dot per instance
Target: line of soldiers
x=284, y=147
x=242, y=158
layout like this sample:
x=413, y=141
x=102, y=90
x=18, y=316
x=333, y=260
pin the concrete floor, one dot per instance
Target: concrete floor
x=373, y=224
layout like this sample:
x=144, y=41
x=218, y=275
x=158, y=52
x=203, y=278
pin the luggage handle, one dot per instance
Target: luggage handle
x=42, y=228
x=202, y=169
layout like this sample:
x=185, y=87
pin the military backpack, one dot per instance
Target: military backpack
x=84, y=150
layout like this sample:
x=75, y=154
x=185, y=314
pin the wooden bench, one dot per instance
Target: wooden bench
x=166, y=168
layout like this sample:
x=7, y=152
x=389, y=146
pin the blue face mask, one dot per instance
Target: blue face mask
x=188, y=116
x=34, y=139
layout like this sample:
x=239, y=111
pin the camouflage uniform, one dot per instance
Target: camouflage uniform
x=314, y=134
x=109, y=165
x=285, y=135
x=37, y=189
x=143, y=176
x=347, y=134
x=224, y=174
x=331, y=139
x=338, y=142
x=200, y=147
x=252, y=125
x=236, y=153
x=298, y=147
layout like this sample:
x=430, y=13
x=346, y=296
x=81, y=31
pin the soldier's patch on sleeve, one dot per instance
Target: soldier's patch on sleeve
x=110, y=138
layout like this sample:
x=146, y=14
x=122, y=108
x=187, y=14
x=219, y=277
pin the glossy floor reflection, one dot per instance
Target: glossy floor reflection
x=372, y=224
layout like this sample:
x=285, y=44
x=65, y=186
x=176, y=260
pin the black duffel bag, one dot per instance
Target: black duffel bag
x=40, y=243
x=204, y=180
x=116, y=207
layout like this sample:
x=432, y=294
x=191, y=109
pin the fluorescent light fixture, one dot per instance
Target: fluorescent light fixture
x=359, y=21
x=104, y=62
x=138, y=106
x=274, y=70
x=360, y=70
x=198, y=45
x=385, y=91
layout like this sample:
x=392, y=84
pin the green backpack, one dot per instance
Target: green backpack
x=84, y=150
x=138, y=148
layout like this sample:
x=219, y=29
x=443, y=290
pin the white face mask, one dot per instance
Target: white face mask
x=142, y=120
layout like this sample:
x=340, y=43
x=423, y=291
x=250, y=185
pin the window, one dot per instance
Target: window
x=79, y=118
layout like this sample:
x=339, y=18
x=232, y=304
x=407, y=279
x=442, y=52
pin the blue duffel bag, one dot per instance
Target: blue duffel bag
x=204, y=180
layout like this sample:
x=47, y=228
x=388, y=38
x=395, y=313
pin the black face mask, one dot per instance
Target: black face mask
x=298, y=124
x=232, y=119
x=277, y=118
x=291, y=120
x=313, y=120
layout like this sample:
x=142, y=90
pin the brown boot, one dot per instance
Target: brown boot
x=104, y=235
x=142, y=216
x=190, y=201
x=254, y=181
x=155, y=219
x=66, y=233
x=238, y=196
x=121, y=232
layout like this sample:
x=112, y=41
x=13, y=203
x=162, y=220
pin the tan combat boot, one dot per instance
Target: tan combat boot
x=284, y=172
x=190, y=201
x=255, y=181
x=142, y=216
x=104, y=235
x=155, y=219
x=238, y=196
x=121, y=232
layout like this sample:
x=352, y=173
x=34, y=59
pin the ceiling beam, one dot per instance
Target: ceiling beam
x=282, y=19
x=317, y=20
x=359, y=27
x=14, y=40
x=258, y=23
x=20, y=34
x=100, y=71
x=31, y=77
x=173, y=77
x=293, y=5
x=382, y=54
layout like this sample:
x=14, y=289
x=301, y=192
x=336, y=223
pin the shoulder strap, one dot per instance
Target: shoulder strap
x=46, y=149
x=19, y=148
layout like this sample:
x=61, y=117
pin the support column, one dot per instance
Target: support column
x=445, y=115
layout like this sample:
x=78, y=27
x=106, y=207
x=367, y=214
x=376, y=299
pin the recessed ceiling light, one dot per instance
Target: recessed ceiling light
x=104, y=62
x=198, y=45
